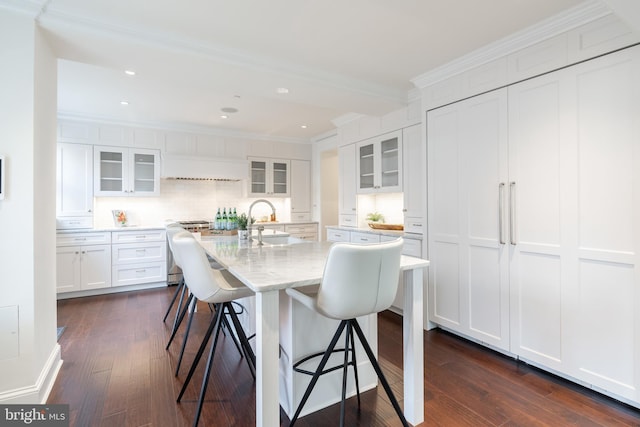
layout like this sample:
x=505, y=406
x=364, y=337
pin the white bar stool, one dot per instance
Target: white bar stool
x=215, y=287
x=358, y=280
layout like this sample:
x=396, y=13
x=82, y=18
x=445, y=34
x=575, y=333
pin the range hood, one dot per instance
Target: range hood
x=176, y=166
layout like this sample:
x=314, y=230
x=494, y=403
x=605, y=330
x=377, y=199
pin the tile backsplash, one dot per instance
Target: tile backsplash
x=186, y=200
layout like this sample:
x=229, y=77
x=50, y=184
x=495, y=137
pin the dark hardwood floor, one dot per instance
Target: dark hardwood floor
x=116, y=372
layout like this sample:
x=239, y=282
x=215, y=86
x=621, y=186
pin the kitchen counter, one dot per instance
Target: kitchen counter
x=114, y=228
x=268, y=270
x=368, y=230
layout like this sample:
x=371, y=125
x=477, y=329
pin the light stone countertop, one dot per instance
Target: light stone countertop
x=393, y=233
x=271, y=267
x=105, y=229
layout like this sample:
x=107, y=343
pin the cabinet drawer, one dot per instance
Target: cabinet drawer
x=413, y=224
x=301, y=229
x=135, y=274
x=127, y=253
x=412, y=247
x=74, y=222
x=139, y=236
x=334, y=235
x=300, y=216
x=73, y=239
x=364, y=238
x=345, y=220
x=305, y=236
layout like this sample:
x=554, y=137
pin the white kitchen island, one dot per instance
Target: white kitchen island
x=269, y=269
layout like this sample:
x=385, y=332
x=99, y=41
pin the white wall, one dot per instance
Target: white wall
x=186, y=200
x=30, y=354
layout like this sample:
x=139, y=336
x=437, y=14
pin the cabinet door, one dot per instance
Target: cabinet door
x=144, y=172
x=74, y=184
x=68, y=269
x=258, y=173
x=541, y=164
x=469, y=270
x=414, y=179
x=390, y=175
x=96, y=267
x=300, y=187
x=347, y=201
x=605, y=303
x=379, y=164
x=280, y=177
x=367, y=181
x=111, y=171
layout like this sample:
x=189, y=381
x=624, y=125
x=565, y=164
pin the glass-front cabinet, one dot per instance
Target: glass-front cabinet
x=269, y=177
x=379, y=164
x=126, y=171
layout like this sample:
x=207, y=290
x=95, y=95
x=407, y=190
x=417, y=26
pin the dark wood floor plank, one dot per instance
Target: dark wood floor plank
x=116, y=372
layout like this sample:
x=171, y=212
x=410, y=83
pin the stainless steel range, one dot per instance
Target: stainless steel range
x=195, y=226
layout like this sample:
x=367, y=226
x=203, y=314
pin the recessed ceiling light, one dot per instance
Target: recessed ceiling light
x=303, y=126
x=224, y=116
x=130, y=72
x=229, y=110
x=282, y=90
x=124, y=102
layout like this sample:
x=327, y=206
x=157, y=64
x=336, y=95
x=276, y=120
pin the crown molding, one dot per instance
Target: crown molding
x=56, y=19
x=181, y=127
x=346, y=118
x=32, y=8
x=560, y=23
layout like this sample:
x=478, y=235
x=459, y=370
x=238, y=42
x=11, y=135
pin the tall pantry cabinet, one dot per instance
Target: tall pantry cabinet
x=534, y=208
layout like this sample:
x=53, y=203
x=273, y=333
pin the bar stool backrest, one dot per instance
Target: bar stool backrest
x=206, y=284
x=172, y=232
x=359, y=279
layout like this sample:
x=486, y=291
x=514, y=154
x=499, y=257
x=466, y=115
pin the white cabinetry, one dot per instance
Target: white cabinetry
x=269, y=177
x=347, y=195
x=337, y=235
x=414, y=179
x=544, y=239
x=300, y=190
x=122, y=171
x=139, y=257
x=469, y=280
x=379, y=165
x=364, y=238
x=303, y=231
x=83, y=261
x=74, y=185
x=576, y=229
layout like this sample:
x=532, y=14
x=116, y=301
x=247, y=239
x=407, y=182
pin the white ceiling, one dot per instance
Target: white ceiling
x=194, y=57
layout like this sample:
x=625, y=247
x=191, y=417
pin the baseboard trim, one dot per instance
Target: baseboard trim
x=37, y=393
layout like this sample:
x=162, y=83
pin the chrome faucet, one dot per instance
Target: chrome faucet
x=260, y=227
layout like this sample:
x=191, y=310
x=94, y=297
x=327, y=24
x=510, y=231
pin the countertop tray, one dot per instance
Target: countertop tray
x=379, y=226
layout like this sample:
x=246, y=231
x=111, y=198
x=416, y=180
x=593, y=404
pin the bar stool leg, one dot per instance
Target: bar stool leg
x=186, y=335
x=381, y=376
x=203, y=346
x=179, y=321
x=319, y=370
x=173, y=300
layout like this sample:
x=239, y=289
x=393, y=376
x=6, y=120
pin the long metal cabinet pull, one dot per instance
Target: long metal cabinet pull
x=501, y=211
x=512, y=212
